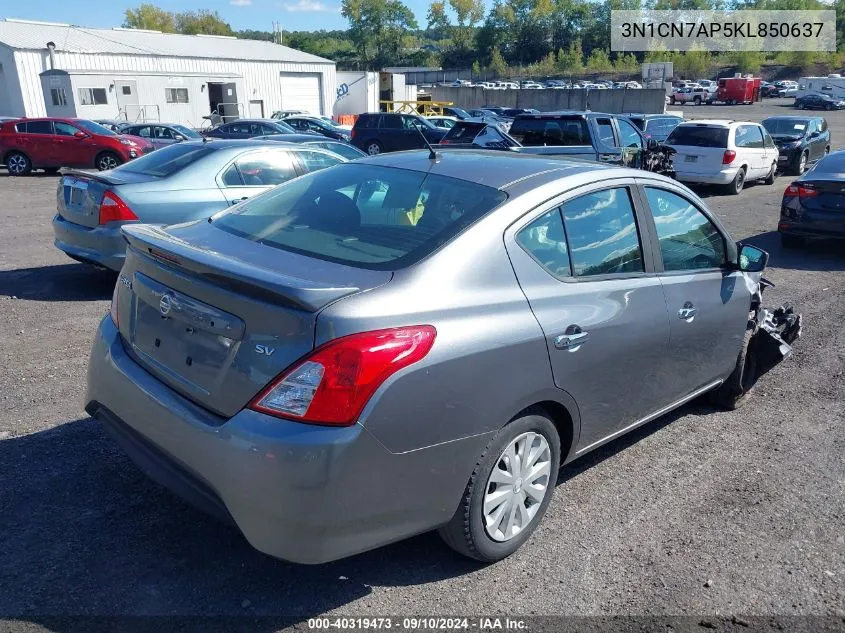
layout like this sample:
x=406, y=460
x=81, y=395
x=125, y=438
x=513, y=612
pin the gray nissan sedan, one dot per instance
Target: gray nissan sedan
x=406, y=343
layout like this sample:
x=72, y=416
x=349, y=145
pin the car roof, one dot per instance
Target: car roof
x=718, y=122
x=792, y=117
x=152, y=123
x=275, y=121
x=500, y=170
x=230, y=143
x=297, y=138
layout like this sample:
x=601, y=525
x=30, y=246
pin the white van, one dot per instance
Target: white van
x=728, y=153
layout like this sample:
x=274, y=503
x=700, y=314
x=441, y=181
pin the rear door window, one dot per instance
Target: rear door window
x=260, y=169
x=39, y=127
x=699, y=136
x=605, y=129
x=312, y=161
x=544, y=239
x=748, y=136
x=533, y=132
x=391, y=122
x=629, y=137
x=363, y=215
x=602, y=233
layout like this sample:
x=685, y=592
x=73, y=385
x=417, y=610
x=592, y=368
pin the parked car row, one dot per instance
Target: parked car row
x=550, y=84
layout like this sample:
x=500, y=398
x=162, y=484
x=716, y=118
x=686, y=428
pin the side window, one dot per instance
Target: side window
x=409, y=123
x=545, y=240
x=746, y=136
x=232, y=177
x=602, y=232
x=767, y=140
x=39, y=127
x=628, y=134
x=391, y=122
x=265, y=168
x=142, y=131
x=314, y=161
x=605, y=129
x=688, y=239
x=266, y=129
x=163, y=132
x=64, y=129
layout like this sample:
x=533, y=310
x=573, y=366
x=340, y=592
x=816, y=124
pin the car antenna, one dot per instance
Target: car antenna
x=432, y=155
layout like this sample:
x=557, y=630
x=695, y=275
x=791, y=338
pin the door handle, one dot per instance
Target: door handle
x=572, y=338
x=607, y=157
x=687, y=312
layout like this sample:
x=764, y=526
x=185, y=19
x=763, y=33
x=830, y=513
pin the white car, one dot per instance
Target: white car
x=446, y=122
x=531, y=85
x=727, y=153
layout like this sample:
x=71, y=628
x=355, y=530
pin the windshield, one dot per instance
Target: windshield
x=698, y=136
x=785, y=127
x=94, y=128
x=369, y=216
x=186, y=131
x=168, y=160
x=283, y=127
x=459, y=112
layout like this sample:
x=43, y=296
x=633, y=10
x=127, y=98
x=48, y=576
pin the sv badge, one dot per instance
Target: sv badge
x=265, y=349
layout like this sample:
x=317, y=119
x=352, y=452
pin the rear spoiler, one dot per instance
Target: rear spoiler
x=102, y=177
x=263, y=284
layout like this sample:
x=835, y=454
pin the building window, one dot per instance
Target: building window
x=92, y=96
x=176, y=95
x=127, y=90
x=59, y=96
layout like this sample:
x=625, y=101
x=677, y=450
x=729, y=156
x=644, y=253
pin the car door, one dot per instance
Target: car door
x=70, y=150
x=162, y=136
x=816, y=143
x=630, y=143
x=391, y=132
x=582, y=261
x=749, y=148
x=707, y=301
x=254, y=172
x=770, y=151
x=35, y=139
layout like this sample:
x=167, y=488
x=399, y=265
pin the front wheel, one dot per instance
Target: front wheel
x=799, y=105
x=734, y=392
x=770, y=179
x=800, y=164
x=107, y=160
x=697, y=101
x=374, y=148
x=508, y=492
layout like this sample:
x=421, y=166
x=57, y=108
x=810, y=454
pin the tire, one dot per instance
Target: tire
x=18, y=164
x=770, y=179
x=52, y=170
x=800, y=164
x=672, y=100
x=827, y=150
x=800, y=105
x=697, y=101
x=373, y=148
x=467, y=532
x=107, y=160
x=734, y=392
x=828, y=106
x=738, y=183
x=791, y=241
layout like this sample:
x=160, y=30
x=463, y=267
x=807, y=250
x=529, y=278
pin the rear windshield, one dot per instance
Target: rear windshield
x=362, y=215
x=463, y=132
x=186, y=131
x=94, y=128
x=539, y=132
x=168, y=160
x=785, y=127
x=699, y=136
x=831, y=164
x=662, y=125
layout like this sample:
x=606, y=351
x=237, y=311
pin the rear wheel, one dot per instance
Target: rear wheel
x=697, y=101
x=770, y=179
x=738, y=182
x=800, y=105
x=18, y=164
x=790, y=241
x=509, y=491
x=107, y=160
x=374, y=148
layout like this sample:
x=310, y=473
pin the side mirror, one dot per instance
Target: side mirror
x=814, y=134
x=179, y=138
x=752, y=259
x=80, y=134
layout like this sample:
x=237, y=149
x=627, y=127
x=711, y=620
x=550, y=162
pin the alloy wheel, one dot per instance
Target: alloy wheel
x=107, y=162
x=802, y=163
x=16, y=164
x=373, y=149
x=517, y=486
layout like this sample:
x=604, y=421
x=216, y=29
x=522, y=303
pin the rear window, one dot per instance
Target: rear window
x=662, y=125
x=362, y=215
x=366, y=122
x=168, y=160
x=463, y=132
x=540, y=132
x=831, y=164
x=699, y=136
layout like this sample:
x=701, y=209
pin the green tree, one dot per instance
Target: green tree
x=202, y=21
x=599, y=61
x=571, y=61
x=476, y=68
x=376, y=28
x=498, y=65
x=149, y=16
x=626, y=63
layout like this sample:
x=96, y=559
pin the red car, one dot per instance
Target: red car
x=50, y=143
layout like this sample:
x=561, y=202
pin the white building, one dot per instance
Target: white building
x=51, y=69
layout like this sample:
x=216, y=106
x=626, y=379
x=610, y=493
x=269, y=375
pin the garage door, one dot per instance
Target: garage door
x=301, y=91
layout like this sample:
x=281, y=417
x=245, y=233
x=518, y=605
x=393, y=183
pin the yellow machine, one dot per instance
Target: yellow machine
x=425, y=108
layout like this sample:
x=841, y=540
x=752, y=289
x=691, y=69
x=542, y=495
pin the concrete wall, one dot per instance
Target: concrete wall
x=611, y=101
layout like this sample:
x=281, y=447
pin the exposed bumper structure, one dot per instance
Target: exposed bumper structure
x=99, y=246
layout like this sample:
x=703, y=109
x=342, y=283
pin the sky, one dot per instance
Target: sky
x=294, y=15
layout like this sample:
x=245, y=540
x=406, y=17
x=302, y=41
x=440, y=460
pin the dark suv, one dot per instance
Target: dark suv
x=801, y=140
x=390, y=131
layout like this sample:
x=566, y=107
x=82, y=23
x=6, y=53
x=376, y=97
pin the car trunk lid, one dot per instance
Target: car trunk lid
x=216, y=317
x=80, y=193
x=830, y=196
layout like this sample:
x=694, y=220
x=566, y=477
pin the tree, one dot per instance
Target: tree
x=626, y=63
x=599, y=61
x=376, y=28
x=148, y=16
x=202, y=21
x=476, y=69
x=573, y=60
x=498, y=65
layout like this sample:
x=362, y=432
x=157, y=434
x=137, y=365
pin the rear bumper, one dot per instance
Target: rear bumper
x=723, y=177
x=101, y=245
x=810, y=229
x=303, y=493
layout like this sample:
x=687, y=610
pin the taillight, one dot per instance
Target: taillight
x=113, y=209
x=353, y=133
x=115, y=299
x=799, y=190
x=728, y=157
x=333, y=384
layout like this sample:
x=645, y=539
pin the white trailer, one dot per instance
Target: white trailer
x=832, y=85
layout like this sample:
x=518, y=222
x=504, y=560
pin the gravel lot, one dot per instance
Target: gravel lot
x=701, y=512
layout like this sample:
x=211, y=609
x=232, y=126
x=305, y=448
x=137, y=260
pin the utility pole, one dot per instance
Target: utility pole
x=277, y=33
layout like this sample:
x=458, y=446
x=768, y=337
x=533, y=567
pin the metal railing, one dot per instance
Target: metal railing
x=140, y=113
